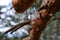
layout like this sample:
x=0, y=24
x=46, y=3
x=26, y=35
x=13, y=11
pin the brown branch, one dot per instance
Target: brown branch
x=17, y=26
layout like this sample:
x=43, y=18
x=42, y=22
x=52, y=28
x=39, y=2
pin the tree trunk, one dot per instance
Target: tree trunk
x=46, y=10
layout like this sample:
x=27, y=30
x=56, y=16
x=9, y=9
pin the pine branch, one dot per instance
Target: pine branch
x=16, y=27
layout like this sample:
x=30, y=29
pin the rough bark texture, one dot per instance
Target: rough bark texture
x=43, y=15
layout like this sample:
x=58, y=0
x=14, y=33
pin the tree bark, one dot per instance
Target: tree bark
x=47, y=9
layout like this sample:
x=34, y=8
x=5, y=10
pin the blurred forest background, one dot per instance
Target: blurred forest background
x=9, y=18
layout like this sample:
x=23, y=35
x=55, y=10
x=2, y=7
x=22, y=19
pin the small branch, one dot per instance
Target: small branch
x=53, y=20
x=16, y=27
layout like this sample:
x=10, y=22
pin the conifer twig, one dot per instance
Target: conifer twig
x=16, y=27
